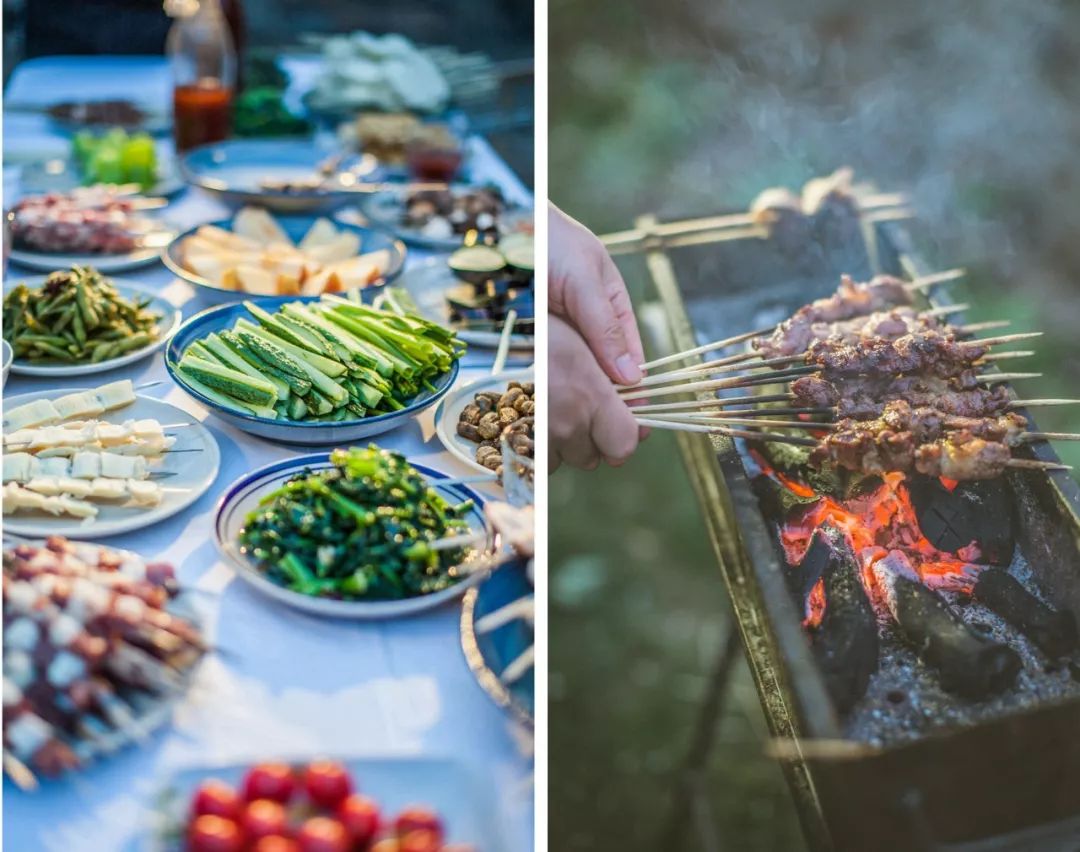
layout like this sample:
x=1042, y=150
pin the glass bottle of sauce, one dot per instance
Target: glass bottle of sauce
x=203, y=59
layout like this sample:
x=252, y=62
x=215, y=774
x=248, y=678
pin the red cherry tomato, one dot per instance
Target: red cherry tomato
x=217, y=799
x=327, y=783
x=418, y=819
x=272, y=781
x=276, y=843
x=264, y=818
x=360, y=816
x=210, y=833
x=322, y=834
x=420, y=841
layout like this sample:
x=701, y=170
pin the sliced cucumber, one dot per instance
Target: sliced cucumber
x=476, y=264
x=248, y=389
x=229, y=358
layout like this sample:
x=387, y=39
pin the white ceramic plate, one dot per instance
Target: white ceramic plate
x=243, y=496
x=449, y=412
x=50, y=262
x=427, y=283
x=170, y=321
x=195, y=473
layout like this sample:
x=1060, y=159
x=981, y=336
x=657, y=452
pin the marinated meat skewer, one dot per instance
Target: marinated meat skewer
x=87, y=641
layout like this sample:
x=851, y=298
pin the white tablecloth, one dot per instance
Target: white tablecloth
x=281, y=682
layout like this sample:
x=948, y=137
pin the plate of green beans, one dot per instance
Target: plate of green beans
x=77, y=321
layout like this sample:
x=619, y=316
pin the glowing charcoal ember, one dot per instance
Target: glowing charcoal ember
x=1052, y=630
x=967, y=664
x=842, y=625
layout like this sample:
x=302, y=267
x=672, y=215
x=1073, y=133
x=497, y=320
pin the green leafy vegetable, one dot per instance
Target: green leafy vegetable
x=361, y=529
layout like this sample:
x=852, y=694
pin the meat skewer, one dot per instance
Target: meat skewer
x=851, y=300
x=87, y=642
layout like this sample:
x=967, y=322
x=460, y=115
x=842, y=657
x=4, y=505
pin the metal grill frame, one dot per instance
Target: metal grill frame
x=818, y=764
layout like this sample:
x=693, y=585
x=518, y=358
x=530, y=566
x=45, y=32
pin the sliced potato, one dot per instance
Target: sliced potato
x=319, y=234
x=254, y=279
x=363, y=270
x=342, y=247
x=256, y=224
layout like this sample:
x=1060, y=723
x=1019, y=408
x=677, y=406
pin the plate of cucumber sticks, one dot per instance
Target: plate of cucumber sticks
x=313, y=370
x=76, y=322
x=362, y=560
x=87, y=463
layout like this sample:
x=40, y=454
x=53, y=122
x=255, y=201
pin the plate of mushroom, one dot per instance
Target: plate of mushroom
x=471, y=420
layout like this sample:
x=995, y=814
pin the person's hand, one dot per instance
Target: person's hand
x=587, y=291
x=587, y=419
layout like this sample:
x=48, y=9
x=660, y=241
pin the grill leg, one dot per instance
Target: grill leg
x=691, y=801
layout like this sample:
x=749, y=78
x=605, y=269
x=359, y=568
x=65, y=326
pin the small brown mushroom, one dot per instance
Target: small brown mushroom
x=508, y=399
x=527, y=407
x=492, y=462
x=529, y=388
x=492, y=395
x=508, y=416
x=512, y=385
x=489, y=425
x=484, y=404
x=469, y=432
x=485, y=453
x=471, y=413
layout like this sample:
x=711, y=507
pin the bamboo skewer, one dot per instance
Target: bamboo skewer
x=1005, y=338
x=945, y=310
x=1034, y=403
x=1006, y=356
x=1036, y=464
x=731, y=433
x=998, y=378
x=707, y=347
x=926, y=281
x=720, y=384
x=989, y=325
x=1050, y=436
x=718, y=403
x=739, y=421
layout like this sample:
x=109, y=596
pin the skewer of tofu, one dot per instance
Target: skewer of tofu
x=85, y=464
x=72, y=406
x=19, y=499
x=132, y=437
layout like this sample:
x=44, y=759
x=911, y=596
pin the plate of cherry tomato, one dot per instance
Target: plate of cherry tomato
x=377, y=805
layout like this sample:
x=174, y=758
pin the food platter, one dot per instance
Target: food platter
x=234, y=172
x=386, y=209
x=449, y=411
x=170, y=321
x=244, y=495
x=107, y=263
x=194, y=473
x=371, y=240
x=61, y=174
x=463, y=799
x=289, y=431
x=427, y=282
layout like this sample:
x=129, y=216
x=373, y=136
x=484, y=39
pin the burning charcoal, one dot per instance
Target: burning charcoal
x=967, y=664
x=1052, y=630
x=845, y=641
x=979, y=511
x=777, y=500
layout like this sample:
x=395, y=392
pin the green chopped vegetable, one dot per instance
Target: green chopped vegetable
x=327, y=361
x=361, y=529
x=116, y=157
x=76, y=316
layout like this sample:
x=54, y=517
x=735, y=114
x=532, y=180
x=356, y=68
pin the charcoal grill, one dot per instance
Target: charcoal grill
x=1011, y=782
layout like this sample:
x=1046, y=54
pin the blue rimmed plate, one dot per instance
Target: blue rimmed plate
x=170, y=321
x=488, y=654
x=296, y=227
x=243, y=497
x=234, y=171
x=289, y=431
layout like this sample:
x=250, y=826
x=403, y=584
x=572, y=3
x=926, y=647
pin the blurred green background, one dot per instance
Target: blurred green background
x=692, y=107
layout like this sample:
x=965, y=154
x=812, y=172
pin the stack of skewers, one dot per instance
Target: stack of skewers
x=878, y=384
x=94, y=652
